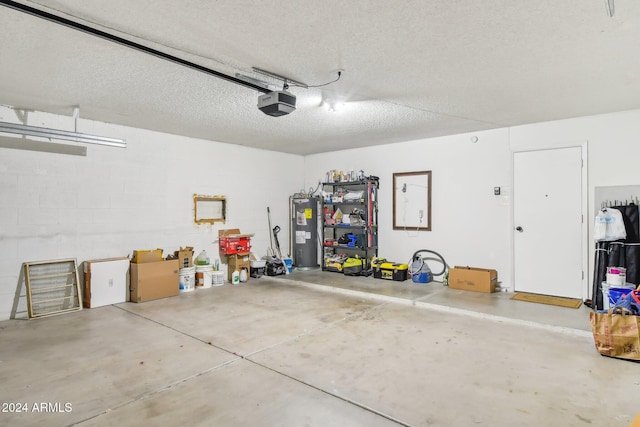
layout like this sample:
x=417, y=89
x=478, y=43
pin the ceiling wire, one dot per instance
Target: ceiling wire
x=320, y=85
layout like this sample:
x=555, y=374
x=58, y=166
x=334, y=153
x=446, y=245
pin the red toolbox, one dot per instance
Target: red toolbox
x=234, y=245
x=232, y=242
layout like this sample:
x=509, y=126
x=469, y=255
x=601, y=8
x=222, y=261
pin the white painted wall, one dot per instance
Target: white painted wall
x=470, y=226
x=613, y=154
x=116, y=200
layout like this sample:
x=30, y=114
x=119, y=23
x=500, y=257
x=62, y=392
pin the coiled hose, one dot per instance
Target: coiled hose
x=439, y=258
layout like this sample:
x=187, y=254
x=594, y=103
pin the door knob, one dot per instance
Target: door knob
x=518, y=228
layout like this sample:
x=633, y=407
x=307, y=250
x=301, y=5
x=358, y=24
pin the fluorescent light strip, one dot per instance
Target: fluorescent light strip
x=19, y=129
x=42, y=146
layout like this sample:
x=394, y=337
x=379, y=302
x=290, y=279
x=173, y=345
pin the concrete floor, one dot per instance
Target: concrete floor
x=315, y=349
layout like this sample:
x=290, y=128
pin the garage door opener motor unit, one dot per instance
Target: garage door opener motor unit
x=277, y=103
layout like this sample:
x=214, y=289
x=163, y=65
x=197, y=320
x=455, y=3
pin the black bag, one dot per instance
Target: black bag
x=632, y=262
x=631, y=222
x=275, y=267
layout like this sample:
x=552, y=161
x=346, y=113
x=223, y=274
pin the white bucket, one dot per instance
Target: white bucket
x=203, y=276
x=187, y=279
x=606, y=302
x=217, y=278
x=616, y=276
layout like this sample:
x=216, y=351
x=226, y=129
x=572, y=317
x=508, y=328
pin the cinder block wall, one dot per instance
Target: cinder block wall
x=116, y=200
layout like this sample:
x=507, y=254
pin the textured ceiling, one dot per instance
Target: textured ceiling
x=412, y=69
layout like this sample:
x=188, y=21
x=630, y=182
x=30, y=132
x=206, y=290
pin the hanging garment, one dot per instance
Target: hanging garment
x=632, y=262
x=609, y=226
x=631, y=222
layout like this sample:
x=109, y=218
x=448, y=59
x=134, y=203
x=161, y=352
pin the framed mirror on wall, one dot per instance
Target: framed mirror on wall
x=412, y=201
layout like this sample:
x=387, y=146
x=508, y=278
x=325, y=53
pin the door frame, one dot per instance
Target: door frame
x=585, y=212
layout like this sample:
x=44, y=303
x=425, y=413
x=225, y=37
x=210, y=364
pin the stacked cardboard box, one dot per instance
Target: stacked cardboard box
x=235, y=251
x=146, y=255
x=185, y=256
x=152, y=278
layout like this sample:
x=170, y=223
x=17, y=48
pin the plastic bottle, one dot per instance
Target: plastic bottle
x=235, y=277
x=203, y=258
x=243, y=275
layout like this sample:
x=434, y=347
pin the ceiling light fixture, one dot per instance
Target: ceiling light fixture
x=611, y=8
x=26, y=130
x=46, y=147
x=334, y=105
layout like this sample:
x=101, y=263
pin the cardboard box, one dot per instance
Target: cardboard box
x=146, y=255
x=154, y=280
x=106, y=282
x=473, y=279
x=185, y=256
x=238, y=262
x=232, y=242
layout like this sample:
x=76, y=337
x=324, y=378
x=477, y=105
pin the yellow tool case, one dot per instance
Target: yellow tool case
x=383, y=269
x=334, y=263
x=353, y=266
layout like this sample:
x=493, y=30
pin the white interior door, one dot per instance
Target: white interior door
x=548, y=219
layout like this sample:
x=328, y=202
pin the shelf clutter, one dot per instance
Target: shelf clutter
x=235, y=251
x=349, y=222
x=53, y=287
x=615, y=319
